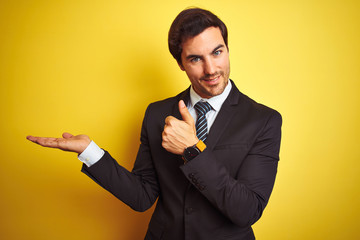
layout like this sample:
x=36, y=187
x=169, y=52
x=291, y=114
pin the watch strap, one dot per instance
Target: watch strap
x=193, y=151
x=201, y=146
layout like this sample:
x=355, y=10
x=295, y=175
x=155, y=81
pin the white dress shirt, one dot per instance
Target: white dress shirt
x=216, y=102
x=93, y=153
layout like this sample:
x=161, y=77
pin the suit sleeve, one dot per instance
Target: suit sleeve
x=241, y=198
x=138, y=188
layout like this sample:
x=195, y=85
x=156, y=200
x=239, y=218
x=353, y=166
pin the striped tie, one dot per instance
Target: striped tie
x=201, y=123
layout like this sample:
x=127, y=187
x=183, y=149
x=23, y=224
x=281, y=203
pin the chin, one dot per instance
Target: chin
x=217, y=90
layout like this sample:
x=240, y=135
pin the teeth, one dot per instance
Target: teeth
x=212, y=79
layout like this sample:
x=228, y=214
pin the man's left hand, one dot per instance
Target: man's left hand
x=179, y=134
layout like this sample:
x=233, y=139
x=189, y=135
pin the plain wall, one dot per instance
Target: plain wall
x=93, y=67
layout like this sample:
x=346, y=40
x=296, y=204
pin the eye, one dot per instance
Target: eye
x=217, y=52
x=195, y=59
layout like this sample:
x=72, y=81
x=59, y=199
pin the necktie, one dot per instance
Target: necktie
x=201, y=109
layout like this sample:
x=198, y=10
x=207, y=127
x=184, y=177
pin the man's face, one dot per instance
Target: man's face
x=205, y=59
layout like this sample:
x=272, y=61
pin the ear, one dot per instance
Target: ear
x=181, y=66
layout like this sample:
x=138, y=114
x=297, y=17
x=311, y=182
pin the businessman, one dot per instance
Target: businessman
x=209, y=155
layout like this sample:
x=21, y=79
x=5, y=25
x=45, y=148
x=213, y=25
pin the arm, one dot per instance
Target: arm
x=138, y=189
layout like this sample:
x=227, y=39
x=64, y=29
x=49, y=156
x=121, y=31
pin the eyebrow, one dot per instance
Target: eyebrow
x=214, y=50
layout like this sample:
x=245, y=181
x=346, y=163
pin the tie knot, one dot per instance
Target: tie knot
x=202, y=108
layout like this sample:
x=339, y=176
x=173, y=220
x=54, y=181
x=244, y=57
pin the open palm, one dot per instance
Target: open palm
x=68, y=142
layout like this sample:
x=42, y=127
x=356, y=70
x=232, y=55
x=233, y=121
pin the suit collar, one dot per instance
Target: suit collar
x=185, y=96
x=234, y=96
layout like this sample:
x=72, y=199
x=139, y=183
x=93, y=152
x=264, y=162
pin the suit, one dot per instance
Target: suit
x=217, y=195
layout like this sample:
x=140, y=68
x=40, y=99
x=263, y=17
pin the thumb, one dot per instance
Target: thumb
x=67, y=135
x=186, y=116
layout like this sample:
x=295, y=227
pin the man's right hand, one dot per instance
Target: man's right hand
x=67, y=143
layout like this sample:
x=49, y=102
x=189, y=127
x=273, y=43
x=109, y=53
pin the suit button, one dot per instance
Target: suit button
x=189, y=210
x=191, y=175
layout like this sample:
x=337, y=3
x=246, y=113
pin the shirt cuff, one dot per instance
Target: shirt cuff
x=91, y=154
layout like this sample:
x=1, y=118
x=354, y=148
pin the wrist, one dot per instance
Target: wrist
x=193, y=151
x=84, y=146
x=91, y=154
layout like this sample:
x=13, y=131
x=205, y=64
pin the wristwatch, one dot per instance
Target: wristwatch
x=191, y=152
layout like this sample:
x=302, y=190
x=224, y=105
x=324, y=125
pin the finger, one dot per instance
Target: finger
x=30, y=138
x=46, y=141
x=67, y=135
x=33, y=139
x=186, y=116
x=163, y=136
x=169, y=119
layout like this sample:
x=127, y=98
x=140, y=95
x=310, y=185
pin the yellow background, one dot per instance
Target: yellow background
x=93, y=66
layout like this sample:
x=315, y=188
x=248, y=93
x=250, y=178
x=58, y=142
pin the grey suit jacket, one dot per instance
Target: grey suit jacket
x=217, y=195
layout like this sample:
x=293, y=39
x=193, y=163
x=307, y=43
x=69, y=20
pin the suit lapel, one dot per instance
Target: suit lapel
x=224, y=117
x=185, y=96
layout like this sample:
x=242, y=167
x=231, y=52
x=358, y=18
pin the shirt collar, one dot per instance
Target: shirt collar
x=216, y=102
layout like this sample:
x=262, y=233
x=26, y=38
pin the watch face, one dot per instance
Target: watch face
x=190, y=153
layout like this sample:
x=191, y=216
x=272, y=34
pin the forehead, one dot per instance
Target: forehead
x=205, y=42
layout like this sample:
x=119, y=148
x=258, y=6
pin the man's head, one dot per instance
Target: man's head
x=189, y=23
x=198, y=41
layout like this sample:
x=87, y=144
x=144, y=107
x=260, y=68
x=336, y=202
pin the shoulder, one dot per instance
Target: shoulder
x=253, y=109
x=259, y=107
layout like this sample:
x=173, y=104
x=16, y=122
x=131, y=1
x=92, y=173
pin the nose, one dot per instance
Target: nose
x=209, y=67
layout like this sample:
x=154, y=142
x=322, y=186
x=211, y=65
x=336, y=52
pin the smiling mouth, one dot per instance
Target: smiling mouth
x=211, y=79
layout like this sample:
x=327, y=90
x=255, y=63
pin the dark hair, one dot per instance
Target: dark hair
x=188, y=24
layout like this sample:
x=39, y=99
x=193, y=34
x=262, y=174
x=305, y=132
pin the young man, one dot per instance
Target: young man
x=209, y=154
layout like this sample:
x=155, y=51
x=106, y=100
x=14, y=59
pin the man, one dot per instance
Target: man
x=209, y=154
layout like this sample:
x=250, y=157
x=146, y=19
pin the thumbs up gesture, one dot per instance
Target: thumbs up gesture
x=179, y=134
